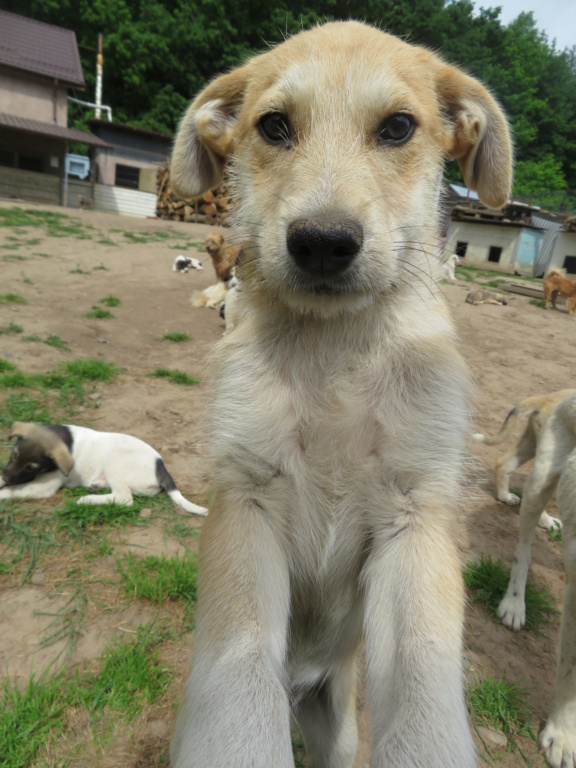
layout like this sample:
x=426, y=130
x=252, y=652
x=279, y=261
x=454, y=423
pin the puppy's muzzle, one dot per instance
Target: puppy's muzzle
x=324, y=247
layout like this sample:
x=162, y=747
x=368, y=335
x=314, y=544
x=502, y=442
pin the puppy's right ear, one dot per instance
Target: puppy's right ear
x=62, y=457
x=204, y=140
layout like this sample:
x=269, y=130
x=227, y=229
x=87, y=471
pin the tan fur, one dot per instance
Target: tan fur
x=535, y=411
x=340, y=409
x=48, y=440
x=555, y=284
x=485, y=297
x=210, y=297
x=224, y=257
x=554, y=465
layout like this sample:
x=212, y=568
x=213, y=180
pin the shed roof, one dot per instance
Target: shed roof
x=44, y=49
x=50, y=129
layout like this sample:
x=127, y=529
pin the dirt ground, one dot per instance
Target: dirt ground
x=514, y=351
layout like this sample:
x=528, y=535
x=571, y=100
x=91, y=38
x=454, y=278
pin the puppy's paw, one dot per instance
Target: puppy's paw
x=549, y=523
x=5, y=493
x=558, y=743
x=510, y=498
x=512, y=612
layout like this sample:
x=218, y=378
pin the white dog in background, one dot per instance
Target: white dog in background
x=184, y=264
x=554, y=464
x=49, y=457
x=450, y=265
x=340, y=408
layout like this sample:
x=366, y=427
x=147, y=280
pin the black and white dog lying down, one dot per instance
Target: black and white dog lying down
x=49, y=457
x=185, y=263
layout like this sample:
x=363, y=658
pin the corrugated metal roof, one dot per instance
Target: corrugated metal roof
x=34, y=46
x=50, y=129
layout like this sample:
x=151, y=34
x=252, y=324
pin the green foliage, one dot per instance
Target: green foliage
x=111, y=301
x=499, y=704
x=176, y=337
x=159, y=578
x=488, y=582
x=98, y=313
x=12, y=298
x=172, y=374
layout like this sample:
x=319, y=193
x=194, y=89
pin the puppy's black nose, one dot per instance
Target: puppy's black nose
x=324, y=247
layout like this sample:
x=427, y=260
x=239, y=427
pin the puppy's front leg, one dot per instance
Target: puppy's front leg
x=235, y=712
x=42, y=487
x=413, y=625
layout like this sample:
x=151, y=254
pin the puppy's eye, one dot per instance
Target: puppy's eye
x=396, y=129
x=275, y=128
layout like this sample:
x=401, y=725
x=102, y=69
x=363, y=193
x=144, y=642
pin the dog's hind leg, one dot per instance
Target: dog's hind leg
x=414, y=613
x=538, y=489
x=558, y=738
x=524, y=451
x=327, y=716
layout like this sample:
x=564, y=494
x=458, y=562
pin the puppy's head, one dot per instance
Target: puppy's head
x=38, y=449
x=338, y=138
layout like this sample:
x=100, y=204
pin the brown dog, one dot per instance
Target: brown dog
x=556, y=284
x=340, y=406
x=224, y=257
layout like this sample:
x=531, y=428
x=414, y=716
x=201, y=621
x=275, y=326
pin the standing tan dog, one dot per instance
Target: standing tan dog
x=555, y=283
x=535, y=411
x=340, y=406
x=554, y=465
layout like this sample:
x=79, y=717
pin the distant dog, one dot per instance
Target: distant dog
x=185, y=263
x=450, y=265
x=224, y=257
x=485, y=297
x=49, y=457
x=555, y=284
x=555, y=463
x=535, y=410
x=210, y=297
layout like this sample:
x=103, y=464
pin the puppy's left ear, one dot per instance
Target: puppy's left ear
x=204, y=140
x=479, y=137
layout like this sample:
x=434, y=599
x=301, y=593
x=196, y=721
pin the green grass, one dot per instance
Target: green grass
x=110, y=301
x=6, y=366
x=51, y=340
x=500, y=705
x=79, y=271
x=10, y=328
x=12, y=298
x=100, y=266
x=538, y=303
x=21, y=407
x=488, y=582
x=131, y=676
x=176, y=336
x=98, y=313
x=172, y=374
x=30, y=717
x=158, y=578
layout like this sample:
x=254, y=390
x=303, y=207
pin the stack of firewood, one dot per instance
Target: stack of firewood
x=212, y=208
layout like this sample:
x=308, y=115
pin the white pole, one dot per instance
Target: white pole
x=99, y=67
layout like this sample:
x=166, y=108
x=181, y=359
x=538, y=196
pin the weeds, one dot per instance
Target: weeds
x=502, y=705
x=175, y=376
x=158, y=578
x=110, y=301
x=98, y=313
x=538, y=303
x=488, y=582
x=176, y=337
x=10, y=328
x=12, y=298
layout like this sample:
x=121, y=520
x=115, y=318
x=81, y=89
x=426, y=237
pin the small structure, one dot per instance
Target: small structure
x=38, y=64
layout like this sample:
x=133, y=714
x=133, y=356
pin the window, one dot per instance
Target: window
x=494, y=253
x=570, y=265
x=30, y=163
x=127, y=176
x=461, y=249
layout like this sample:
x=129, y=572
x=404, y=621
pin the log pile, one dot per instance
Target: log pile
x=212, y=208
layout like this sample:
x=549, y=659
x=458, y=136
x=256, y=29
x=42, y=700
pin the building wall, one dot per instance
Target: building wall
x=564, y=246
x=480, y=238
x=32, y=97
x=48, y=151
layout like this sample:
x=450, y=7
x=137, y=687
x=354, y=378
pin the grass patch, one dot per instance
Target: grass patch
x=110, y=301
x=79, y=271
x=176, y=337
x=21, y=407
x=488, y=582
x=12, y=298
x=10, y=328
x=31, y=717
x=100, y=266
x=130, y=676
x=174, y=375
x=538, y=303
x=51, y=340
x=500, y=705
x=98, y=313
x=158, y=578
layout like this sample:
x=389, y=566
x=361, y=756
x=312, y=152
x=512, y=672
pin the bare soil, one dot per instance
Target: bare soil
x=514, y=351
